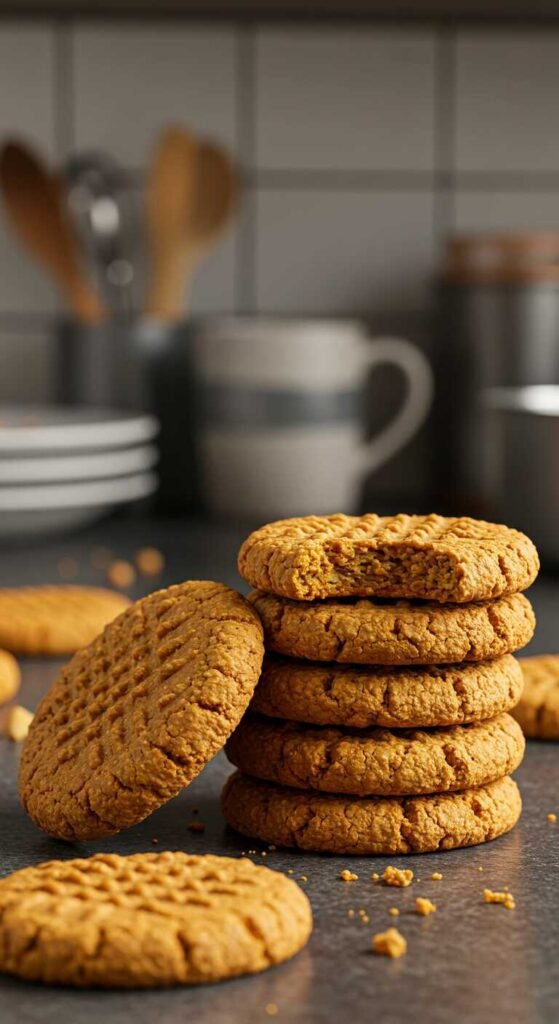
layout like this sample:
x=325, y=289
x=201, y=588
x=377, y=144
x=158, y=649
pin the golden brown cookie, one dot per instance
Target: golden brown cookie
x=394, y=633
x=538, y=708
x=430, y=557
x=10, y=676
x=148, y=920
x=376, y=762
x=135, y=716
x=401, y=697
x=369, y=825
x=55, y=619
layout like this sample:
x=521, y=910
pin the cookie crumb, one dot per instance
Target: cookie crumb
x=67, y=568
x=155, y=841
x=100, y=557
x=263, y=853
x=303, y=878
x=393, y=911
x=348, y=876
x=480, y=868
x=506, y=899
x=271, y=1009
x=197, y=826
x=436, y=876
x=424, y=907
x=400, y=877
x=149, y=561
x=121, y=574
x=272, y=848
x=351, y=913
x=17, y=723
x=390, y=943
x=375, y=876
x=552, y=818
x=290, y=871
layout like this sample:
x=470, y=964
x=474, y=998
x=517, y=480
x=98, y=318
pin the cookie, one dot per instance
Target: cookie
x=538, y=708
x=401, y=697
x=55, y=619
x=377, y=762
x=429, y=557
x=394, y=633
x=369, y=826
x=10, y=676
x=148, y=920
x=135, y=716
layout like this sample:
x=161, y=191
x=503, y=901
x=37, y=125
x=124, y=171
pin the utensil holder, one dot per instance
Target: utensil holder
x=146, y=367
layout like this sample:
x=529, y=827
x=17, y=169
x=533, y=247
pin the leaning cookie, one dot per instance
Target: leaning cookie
x=399, y=697
x=136, y=715
x=537, y=710
x=394, y=633
x=148, y=920
x=379, y=762
x=368, y=826
x=55, y=620
x=429, y=557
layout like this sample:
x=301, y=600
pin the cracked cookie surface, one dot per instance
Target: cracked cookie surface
x=394, y=633
x=401, y=697
x=538, y=708
x=429, y=557
x=55, y=620
x=148, y=920
x=136, y=715
x=369, y=825
x=376, y=762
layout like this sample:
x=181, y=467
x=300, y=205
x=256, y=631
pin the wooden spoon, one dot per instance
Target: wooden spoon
x=192, y=194
x=35, y=206
x=170, y=200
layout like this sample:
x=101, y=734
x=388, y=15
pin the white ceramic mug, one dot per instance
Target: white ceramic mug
x=281, y=424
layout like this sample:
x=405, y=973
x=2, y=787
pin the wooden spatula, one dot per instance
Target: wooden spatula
x=170, y=203
x=191, y=196
x=35, y=206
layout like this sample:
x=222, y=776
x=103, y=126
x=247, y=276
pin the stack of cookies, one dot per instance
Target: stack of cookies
x=380, y=723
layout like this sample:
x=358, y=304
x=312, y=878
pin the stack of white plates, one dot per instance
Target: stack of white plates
x=61, y=468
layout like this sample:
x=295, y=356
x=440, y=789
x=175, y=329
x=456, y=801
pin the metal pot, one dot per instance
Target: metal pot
x=520, y=462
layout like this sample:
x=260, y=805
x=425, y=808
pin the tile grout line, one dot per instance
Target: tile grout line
x=245, y=271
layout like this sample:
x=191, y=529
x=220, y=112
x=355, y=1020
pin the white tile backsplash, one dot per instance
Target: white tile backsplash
x=27, y=83
x=345, y=99
x=131, y=80
x=343, y=252
x=507, y=114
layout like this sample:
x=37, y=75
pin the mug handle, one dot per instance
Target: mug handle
x=416, y=404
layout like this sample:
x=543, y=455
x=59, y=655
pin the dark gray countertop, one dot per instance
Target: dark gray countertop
x=469, y=962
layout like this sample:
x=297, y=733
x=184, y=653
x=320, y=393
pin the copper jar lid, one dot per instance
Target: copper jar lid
x=504, y=258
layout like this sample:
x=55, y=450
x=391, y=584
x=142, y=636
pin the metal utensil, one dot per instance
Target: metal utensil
x=101, y=210
x=35, y=205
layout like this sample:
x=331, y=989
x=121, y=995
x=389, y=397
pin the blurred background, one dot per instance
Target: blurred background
x=276, y=261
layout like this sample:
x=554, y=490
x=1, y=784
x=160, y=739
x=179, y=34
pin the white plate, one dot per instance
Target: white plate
x=60, y=468
x=48, y=428
x=27, y=511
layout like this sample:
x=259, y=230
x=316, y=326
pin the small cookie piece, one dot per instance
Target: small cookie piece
x=55, y=620
x=148, y=920
x=135, y=716
x=377, y=762
x=429, y=557
x=368, y=632
x=401, y=697
x=18, y=721
x=150, y=561
x=10, y=676
x=537, y=710
x=369, y=826
x=390, y=943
